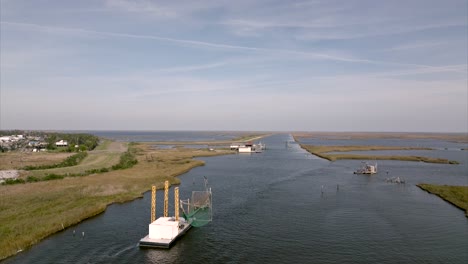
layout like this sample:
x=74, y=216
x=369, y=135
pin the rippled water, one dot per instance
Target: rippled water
x=269, y=208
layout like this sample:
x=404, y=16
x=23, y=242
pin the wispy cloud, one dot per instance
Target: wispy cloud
x=195, y=43
x=373, y=31
x=142, y=6
x=190, y=68
x=417, y=45
x=426, y=70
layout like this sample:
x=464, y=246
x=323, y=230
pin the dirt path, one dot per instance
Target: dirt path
x=114, y=146
x=117, y=147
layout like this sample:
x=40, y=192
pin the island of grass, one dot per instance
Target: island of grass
x=456, y=195
x=32, y=211
x=452, y=137
x=324, y=152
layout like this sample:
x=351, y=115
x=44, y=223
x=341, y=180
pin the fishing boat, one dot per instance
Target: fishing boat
x=367, y=169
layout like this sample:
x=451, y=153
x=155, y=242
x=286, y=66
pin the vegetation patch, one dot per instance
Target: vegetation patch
x=103, y=144
x=68, y=162
x=453, y=137
x=16, y=160
x=456, y=195
x=83, y=141
x=13, y=181
x=323, y=152
x=127, y=160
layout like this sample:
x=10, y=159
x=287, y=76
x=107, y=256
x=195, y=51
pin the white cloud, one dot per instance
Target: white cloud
x=142, y=6
x=417, y=45
x=372, y=31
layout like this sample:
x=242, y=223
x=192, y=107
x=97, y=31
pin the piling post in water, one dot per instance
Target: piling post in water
x=166, y=198
x=153, y=203
x=176, y=203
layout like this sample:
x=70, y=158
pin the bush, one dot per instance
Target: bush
x=127, y=160
x=12, y=181
x=50, y=177
x=32, y=179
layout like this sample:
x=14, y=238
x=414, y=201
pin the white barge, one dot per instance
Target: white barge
x=164, y=231
x=249, y=148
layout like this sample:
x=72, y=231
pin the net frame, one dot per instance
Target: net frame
x=198, y=210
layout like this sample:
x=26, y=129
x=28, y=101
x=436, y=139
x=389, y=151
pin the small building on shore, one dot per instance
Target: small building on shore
x=61, y=143
x=245, y=149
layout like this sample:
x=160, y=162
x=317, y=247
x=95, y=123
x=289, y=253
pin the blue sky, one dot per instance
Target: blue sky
x=234, y=65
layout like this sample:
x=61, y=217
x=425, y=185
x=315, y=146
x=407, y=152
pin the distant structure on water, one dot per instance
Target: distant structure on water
x=367, y=169
x=248, y=147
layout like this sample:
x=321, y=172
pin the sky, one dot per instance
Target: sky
x=328, y=65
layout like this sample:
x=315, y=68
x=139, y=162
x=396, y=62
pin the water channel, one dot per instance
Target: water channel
x=284, y=206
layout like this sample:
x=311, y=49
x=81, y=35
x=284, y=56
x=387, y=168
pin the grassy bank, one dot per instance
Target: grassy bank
x=456, y=195
x=32, y=211
x=323, y=152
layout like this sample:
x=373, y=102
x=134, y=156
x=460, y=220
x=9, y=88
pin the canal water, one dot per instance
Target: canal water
x=284, y=206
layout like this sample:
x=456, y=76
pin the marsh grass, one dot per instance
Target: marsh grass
x=127, y=160
x=453, y=137
x=323, y=152
x=68, y=162
x=18, y=160
x=32, y=211
x=103, y=144
x=97, y=161
x=456, y=195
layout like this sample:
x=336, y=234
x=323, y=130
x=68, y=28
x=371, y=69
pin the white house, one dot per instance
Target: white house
x=61, y=143
x=5, y=139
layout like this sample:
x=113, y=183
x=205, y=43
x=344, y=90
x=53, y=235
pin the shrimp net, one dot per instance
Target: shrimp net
x=198, y=210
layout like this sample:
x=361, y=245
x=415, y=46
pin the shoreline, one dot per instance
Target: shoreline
x=443, y=192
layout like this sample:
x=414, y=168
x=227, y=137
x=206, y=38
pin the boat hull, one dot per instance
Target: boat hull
x=162, y=243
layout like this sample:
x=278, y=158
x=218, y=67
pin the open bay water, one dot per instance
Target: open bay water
x=148, y=136
x=284, y=206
